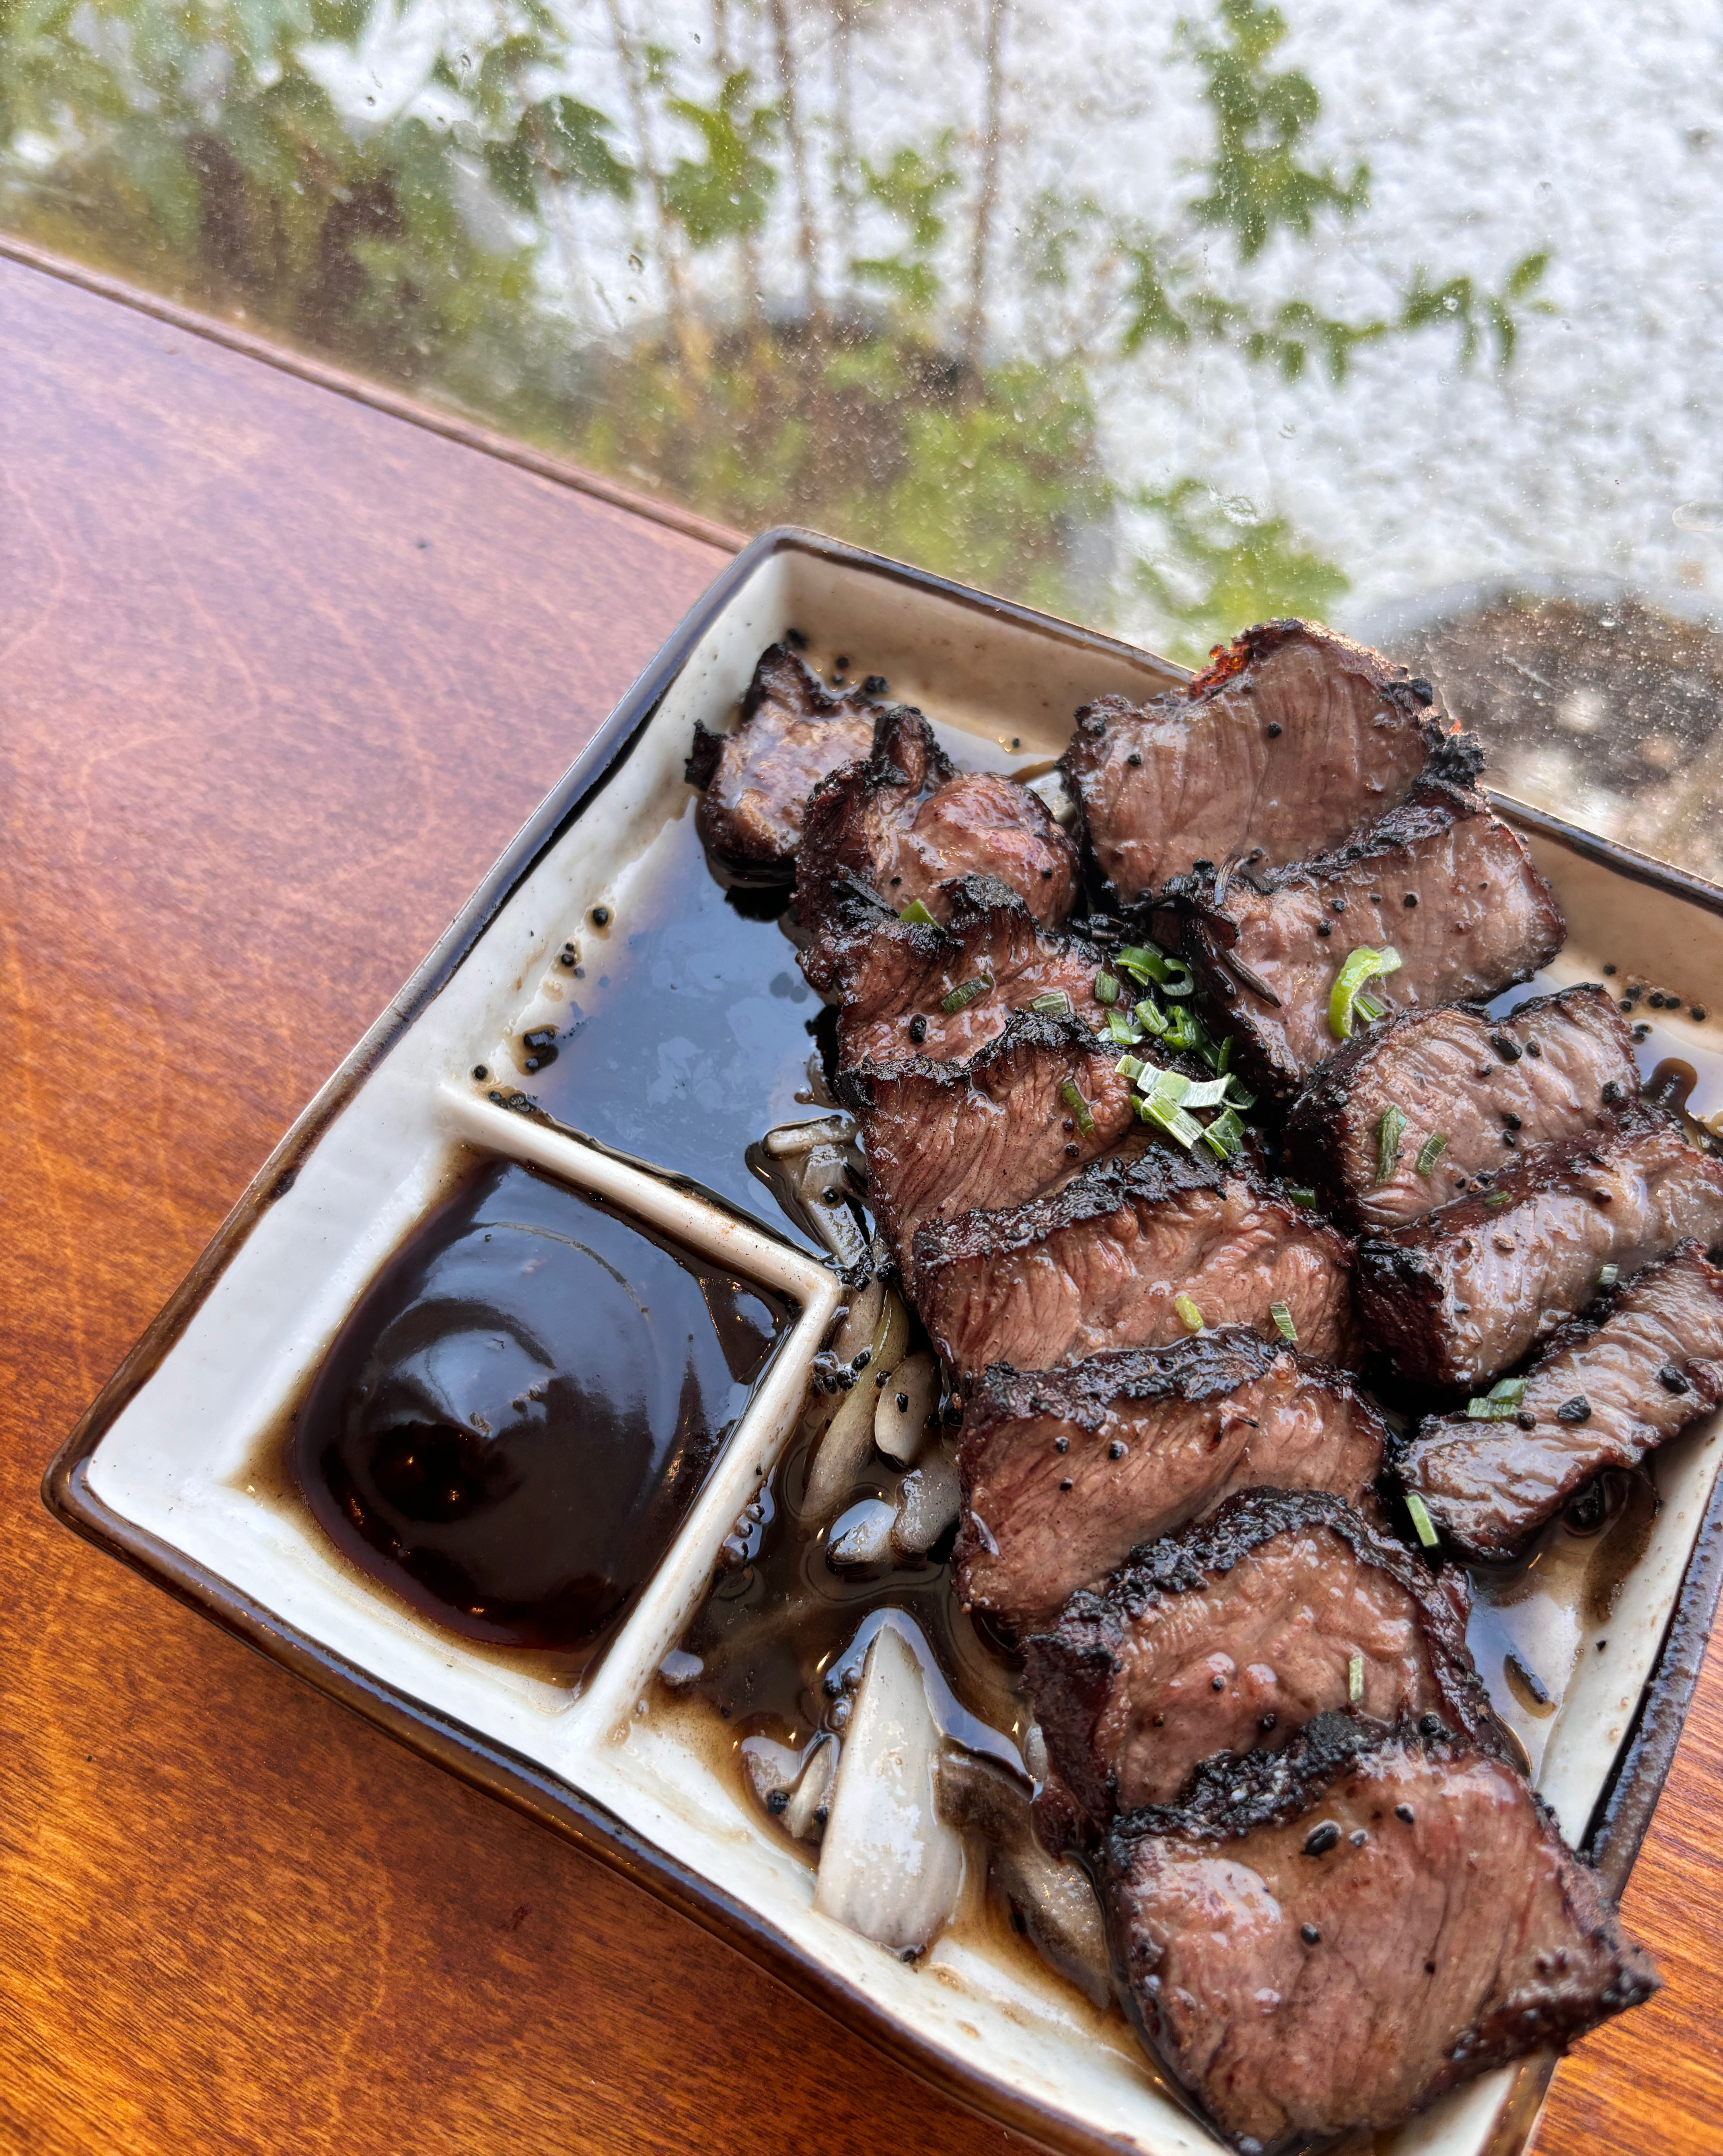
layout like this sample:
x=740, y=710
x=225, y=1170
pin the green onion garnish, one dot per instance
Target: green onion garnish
x=1500, y=1403
x=917, y=912
x=1209, y=1094
x=1053, y=1002
x=1188, y=1312
x=1224, y=1056
x=960, y=998
x=1430, y=1151
x=1167, y=1116
x=1243, y=1101
x=1071, y=1094
x=1131, y=1067
x=1609, y=1275
x=1225, y=1136
x=1121, y=1030
x=1370, y=1007
x=1170, y=1086
x=1106, y=988
x=1497, y=1198
x=1355, y=1680
x=1284, y=1322
x=1144, y=962
x=1149, y=1016
x=1299, y=1194
x=1421, y=1519
x=1363, y=965
x=1181, y=1030
x=1389, y=1132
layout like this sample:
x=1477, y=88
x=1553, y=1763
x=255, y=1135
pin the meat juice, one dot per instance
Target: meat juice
x=519, y=1411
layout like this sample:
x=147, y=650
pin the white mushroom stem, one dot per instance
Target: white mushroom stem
x=890, y=1867
x=842, y=1453
x=789, y=1139
x=926, y=1504
x=861, y=1321
x=800, y=1822
x=906, y=1400
x=864, y=1535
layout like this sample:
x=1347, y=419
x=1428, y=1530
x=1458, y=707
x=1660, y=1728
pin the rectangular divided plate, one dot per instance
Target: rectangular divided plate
x=162, y=1472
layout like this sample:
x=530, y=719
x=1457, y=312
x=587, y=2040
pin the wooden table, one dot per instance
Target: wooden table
x=281, y=671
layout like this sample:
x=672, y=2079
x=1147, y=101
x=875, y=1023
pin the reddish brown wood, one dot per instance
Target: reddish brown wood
x=279, y=673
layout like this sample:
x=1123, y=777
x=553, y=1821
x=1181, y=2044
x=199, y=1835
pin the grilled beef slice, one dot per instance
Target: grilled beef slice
x=1065, y=1472
x=1460, y=1298
x=1291, y=740
x=897, y=827
x=1233, y=1634
x=898, y=975
x=1558, y=1067
x=794, y=732
x=1604, y=1391
x=943, y=1138
x=1099, y=1265
x=1441, y=880
x=1327, y=1938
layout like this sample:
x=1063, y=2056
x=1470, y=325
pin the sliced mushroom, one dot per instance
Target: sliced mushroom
x=805, y=1815
x=907, y=1399
x=1051, y=1898
x=861, y=1321
x=842, y=1452
x=771, y=1769
x=890, y=1867
x=863, y=1535
x=927, y=1503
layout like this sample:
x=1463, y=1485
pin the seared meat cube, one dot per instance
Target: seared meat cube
x=1104, y=1263
x=1603, y=1393
x=1023, y=1112
x=989, y=958
x=1232, y=1635
x=1480, y=918
x=794, y=732
x=1326, y=1939
x=1290, y=741
x=1065, y=1472
x=897, y=827
x=1460, y=1298
x=1470, y=1091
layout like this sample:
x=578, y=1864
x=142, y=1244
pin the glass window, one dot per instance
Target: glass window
x=1167, y=316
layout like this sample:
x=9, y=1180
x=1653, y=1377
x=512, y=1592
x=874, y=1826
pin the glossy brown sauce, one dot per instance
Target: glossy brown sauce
x=687, y=1030
x=519, y=1411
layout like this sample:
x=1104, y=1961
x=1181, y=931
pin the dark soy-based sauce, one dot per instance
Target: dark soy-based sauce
x=688, y=1029
x=777, y=1638
x=521, y=1408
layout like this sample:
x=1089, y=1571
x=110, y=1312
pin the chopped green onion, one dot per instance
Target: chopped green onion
x=1052, y=1001
x=1188, y=1312
x=1389, y=1132
x=1131, y=1067
x=1430, y=1151
x=1284, y=1322
x=1144, y=962
x=1370, y=1007
x=1501, y=1401
x=1120, y=1030
x=1355, y=1680
x=1508, y=1389
x=1167, y=1116
x=1609, y=1275
x=1209, y=1094
x=1106, y=988
x=1070, y=1094
x=1149, y=1016
x=1181, y=1030
x=917, y=912
x=960, y=998
x=1224, y=1056
x=1363, y=965
x=1497, y=1198
x=1169, y=1085
x=1243, y=1101
x=1421, y=1519
x=1225, y=1136
x=1299, y=1194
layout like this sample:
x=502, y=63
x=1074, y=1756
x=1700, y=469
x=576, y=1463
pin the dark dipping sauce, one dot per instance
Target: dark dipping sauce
x=688, y=1030
x=519, y=1410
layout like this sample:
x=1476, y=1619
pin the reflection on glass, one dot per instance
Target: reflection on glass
x=1172, y=317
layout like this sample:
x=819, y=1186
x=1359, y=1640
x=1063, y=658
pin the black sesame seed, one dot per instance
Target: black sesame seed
x=795, y=637
x=601, y=916
x=1062, y=1445
x=1338, y=904
x=481, y=1071
x=1411, y=898
x=778, y=1801
x=1066, y=1484
x=1532, y=1048
x=1627, y=1003
x=1432, y=1725
x=1321, y=1839
x=1672, y=1381
x=1358, y=1837
x=1512, y=1121
x=1273, y=729
x=1134, y=758
x=1612, y=1092
x=1046, y=876
x=918, y=1031
x=1310, y=1934
x=1642, y=1033
x=1609, y=969
x=1508, y=1050
x=1267, y=1723
x=1697, y=1013
x=876, y=684
x=1405, y=1812
x=1217, y=1684
x=1577, y=1409
x=1116, y=1451
x=1525, y=1419
x=1325, y=928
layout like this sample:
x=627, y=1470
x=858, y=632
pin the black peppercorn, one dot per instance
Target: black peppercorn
x=1273, y=729
x=1672, y=1380
x=1577, y=1409
x=918, y=1031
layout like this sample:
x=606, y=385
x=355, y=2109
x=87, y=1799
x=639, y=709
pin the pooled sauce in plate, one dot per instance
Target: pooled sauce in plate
x=518, y=1414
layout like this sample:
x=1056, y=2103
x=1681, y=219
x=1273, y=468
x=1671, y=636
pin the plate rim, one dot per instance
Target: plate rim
x=1620, y=1818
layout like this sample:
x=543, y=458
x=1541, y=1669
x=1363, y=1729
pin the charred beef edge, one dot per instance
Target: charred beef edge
x=1082, y=1667
x=805, y=690
x=1234, y=1794
x=1327, y=1093
x=1208, y=1366
x=857, y=1088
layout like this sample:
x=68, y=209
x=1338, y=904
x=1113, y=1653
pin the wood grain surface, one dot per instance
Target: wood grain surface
x=278, y=675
